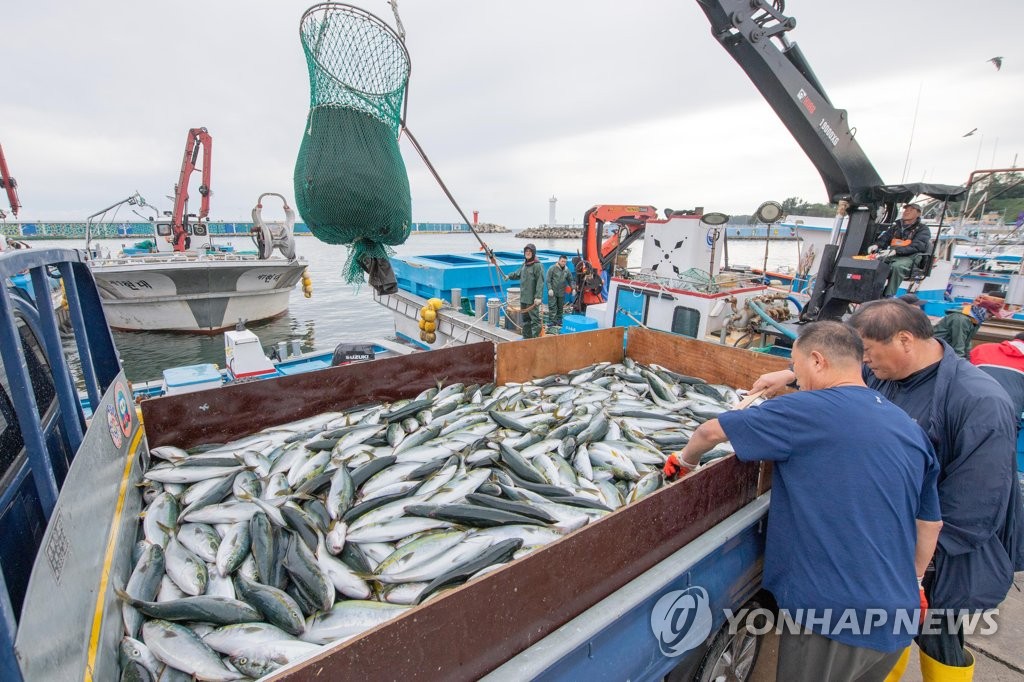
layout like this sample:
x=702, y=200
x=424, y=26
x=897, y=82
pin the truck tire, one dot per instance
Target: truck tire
x=731, y=657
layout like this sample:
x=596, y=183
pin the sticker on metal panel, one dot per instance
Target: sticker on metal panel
x=57, y=547
x=114, y=427
x=124, y=408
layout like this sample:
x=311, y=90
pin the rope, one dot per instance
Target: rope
x=400, y=29
x=398, y=20
x=423, y=155
x=526, y=309
x=482, y=318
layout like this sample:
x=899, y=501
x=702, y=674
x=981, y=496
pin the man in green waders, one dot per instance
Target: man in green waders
x=558, y=280
x=531, y=276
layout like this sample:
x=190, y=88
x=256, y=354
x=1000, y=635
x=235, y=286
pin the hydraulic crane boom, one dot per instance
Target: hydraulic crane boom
x=754, y=33
x=197, y=137
x=10, y=185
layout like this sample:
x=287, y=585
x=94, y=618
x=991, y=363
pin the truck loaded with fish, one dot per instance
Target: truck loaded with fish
x=485, y=510
x=488, y=510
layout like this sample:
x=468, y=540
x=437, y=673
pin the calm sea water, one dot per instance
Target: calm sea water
x=338, y=312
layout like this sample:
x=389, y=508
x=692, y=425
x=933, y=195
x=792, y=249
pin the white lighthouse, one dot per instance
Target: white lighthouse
x=551, y=210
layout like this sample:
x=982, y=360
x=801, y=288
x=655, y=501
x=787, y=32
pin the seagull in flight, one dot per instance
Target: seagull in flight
x=970, y=133
x=997, y=62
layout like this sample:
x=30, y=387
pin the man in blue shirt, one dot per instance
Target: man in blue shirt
x=854, y=515
x=972, y=425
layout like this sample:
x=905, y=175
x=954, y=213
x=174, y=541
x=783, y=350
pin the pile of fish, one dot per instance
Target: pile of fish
x=257, y=553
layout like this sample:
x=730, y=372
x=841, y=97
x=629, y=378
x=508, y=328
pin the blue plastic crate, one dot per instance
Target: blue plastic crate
x=578, y=323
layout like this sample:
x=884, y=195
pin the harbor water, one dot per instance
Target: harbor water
x=338, y=312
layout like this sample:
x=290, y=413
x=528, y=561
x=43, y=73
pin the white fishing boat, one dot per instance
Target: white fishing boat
x=194, y=291
x=170, y=283
x=204, y=289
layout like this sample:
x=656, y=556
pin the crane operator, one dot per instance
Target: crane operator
x=900, y=245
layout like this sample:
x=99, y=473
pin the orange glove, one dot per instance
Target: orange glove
x=675, y=465
x=924, y=600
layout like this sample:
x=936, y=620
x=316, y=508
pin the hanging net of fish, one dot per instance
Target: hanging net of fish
x=351, y=185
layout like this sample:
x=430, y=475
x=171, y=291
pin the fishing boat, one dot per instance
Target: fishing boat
x=169, y=285
x=245, y=359
x=680, y=287
x=204, y=289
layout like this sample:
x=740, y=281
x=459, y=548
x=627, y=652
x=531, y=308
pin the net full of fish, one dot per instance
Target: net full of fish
x=257, y=553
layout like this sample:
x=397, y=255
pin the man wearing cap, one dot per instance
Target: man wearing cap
x=900, y=245
x=531, y=276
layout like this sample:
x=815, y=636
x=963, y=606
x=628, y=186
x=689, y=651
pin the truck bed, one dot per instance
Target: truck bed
x=467, y=632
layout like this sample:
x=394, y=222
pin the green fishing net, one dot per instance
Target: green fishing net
x=351, y=186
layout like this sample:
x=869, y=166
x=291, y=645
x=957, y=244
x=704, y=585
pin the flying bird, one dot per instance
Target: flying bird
x=997, y=62
x=970, y=133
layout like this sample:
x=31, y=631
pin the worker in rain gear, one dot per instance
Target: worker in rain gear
x=531, y=277
x=1004, y=362
x=559, y=279
x=958, y=327
x=971, y=422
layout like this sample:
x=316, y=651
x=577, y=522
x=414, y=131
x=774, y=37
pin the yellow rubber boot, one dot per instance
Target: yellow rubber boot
x=933, y=671
x=897, y=670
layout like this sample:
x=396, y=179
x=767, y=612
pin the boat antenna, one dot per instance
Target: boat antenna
x=134, y=200
x=913, y=127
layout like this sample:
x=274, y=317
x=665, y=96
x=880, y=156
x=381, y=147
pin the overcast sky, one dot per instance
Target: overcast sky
x=591, y=101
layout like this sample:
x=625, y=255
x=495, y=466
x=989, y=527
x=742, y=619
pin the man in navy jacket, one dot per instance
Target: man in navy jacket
x=971, y=423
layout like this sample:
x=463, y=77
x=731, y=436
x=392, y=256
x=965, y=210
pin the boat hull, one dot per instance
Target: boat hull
x=193, y=294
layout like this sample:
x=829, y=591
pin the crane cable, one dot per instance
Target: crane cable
x=423, y=155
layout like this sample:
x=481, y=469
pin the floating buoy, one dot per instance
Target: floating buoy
x=307, y=284
x=428, y=320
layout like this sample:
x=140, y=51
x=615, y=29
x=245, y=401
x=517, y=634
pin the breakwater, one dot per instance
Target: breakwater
x=141, y=230
x=780, y=232
x=552, y=232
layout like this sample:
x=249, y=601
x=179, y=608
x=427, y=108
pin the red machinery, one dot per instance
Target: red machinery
x=10, y=185
x=599, y=251
x=181, y=229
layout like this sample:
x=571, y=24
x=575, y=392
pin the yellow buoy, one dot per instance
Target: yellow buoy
x=422, y=324
x=435, y=303
x=429, y=326
x=429, y=337
x=307, y=284
x=423, y=337
x=428, y=314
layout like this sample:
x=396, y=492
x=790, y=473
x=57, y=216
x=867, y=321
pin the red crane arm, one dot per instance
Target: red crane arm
x=197, y=137
x=596, y=249
x=9, y=184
